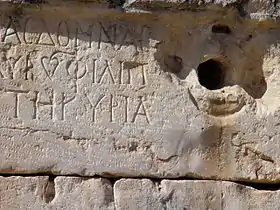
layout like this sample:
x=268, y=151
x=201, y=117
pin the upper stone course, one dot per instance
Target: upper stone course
x=159, y=93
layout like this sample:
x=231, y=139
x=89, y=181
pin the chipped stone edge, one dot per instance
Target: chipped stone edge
x=154, y=6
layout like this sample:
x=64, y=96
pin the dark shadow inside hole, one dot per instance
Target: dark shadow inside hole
x=211, y=74
x=49, y=190
x=221, y=29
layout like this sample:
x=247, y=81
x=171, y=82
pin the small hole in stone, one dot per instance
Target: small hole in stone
x=211, y=74
x=173, y=63
x=221, y=29
x=49, y=190
x=249, y=37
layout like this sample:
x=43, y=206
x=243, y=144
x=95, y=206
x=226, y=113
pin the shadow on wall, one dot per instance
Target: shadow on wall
x=244, y=68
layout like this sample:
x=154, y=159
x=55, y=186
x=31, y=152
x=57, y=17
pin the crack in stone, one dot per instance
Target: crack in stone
x=167, y=159
x=193, y=99
x=50, y=186
x=29, y=130
x=164, y=200
x=261, y=155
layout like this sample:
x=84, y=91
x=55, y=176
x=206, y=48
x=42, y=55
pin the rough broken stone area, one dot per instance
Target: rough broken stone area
x=60, y=193
x=89, y=90
x=96, y=193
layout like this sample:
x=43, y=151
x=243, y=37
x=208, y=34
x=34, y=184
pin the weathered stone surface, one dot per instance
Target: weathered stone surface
x=80, y=193
x=60, y=193
x=142, y=193
x=170, y=194
x=100, y=92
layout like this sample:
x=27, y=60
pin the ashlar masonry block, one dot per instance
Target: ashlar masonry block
x=87, y=90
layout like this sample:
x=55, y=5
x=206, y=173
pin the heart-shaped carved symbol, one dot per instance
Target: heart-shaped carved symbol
x=49, y=65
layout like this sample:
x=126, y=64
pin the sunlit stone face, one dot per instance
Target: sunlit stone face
x=90, y=92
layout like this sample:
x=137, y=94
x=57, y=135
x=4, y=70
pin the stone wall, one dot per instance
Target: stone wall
x=139, y=104
x=99, y=193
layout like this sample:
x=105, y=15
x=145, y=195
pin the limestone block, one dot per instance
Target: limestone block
x=60, y=193
x=236, y=196
x=192, y=195
x=95, y=193
x=93, y=91
x=145, y=194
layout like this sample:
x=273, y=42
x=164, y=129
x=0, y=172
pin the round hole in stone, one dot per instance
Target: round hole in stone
x=211, y=74
x=221, y=29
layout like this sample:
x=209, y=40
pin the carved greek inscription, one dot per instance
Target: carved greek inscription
x=127, y=73
x=56, y=103
x=113, y=104
x=119, y=108
x=63, y=34
x=49, y=65
x=16, y=67
x=11, y=33
x=107, y=72
x=9, y=64
x=141, y=110
x=42, y=36
x=31, y=96
x=46, y=103
x=83, y=33
x=130, y=37
x=62, y=100
x=16, y=105
x=131, y=69
x=119, y=35
x=65, y=77
x=94, y=106
x=28, y=75
x=107, y=34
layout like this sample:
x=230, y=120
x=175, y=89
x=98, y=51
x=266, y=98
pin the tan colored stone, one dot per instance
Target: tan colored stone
x=192, y=195
x=144, y=194
x=64, y=193
x=131, y=194
x=89, y=91
x=237, y=196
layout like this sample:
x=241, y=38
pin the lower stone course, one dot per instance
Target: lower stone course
x=45, y=192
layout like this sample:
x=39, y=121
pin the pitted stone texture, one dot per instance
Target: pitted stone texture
x=139, y=194
x=98, y=92
x=191, y=195
x=236, y=196
x=131, y=194
x=63, y=193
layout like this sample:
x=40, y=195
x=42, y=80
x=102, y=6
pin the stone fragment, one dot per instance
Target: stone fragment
x=60, y=193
